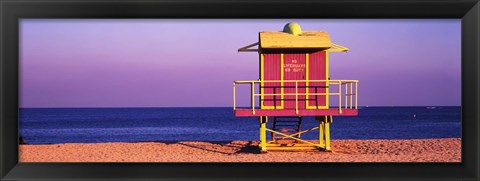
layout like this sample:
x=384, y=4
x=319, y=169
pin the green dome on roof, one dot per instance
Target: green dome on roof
x=292, y=28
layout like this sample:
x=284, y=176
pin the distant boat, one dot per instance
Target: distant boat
x=431, y=107
x=362, y=107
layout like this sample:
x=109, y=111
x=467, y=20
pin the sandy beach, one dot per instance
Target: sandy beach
x=415, y=150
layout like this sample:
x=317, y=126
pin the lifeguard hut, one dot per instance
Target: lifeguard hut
x=294, y=82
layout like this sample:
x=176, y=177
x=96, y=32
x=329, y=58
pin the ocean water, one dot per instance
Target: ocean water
x=93, y=125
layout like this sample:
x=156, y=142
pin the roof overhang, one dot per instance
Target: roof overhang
x=337, y=48
x=249, y=48
x=305, y=40
x=252, y=48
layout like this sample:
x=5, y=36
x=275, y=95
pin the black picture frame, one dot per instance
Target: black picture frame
x=13, y=10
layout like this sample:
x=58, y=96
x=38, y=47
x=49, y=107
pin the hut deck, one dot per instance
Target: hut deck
x=292, y=112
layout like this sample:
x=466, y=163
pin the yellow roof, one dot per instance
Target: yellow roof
x=307, y=39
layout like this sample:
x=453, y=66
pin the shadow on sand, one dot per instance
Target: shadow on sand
x=222, y=147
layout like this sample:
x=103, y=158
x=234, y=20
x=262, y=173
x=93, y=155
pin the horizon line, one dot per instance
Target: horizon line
x=218, y=107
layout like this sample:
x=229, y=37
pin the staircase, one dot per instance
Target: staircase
x=286, y=125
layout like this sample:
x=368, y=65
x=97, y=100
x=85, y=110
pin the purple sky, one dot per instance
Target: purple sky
x=190, y=63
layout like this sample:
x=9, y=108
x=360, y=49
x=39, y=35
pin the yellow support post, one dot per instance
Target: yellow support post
x=306, y=82
x=327, y=134
x=327, y=82
x=262, y=84
x=356, y=95
x=263, y=133
x=321, y=134
x=234, y=97
x=296, y=97
x=253, y=97
x=346, y=94
x=282, y=90
x=340, y=97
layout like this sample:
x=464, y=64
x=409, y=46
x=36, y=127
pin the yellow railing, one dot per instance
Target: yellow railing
x=347, y=91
